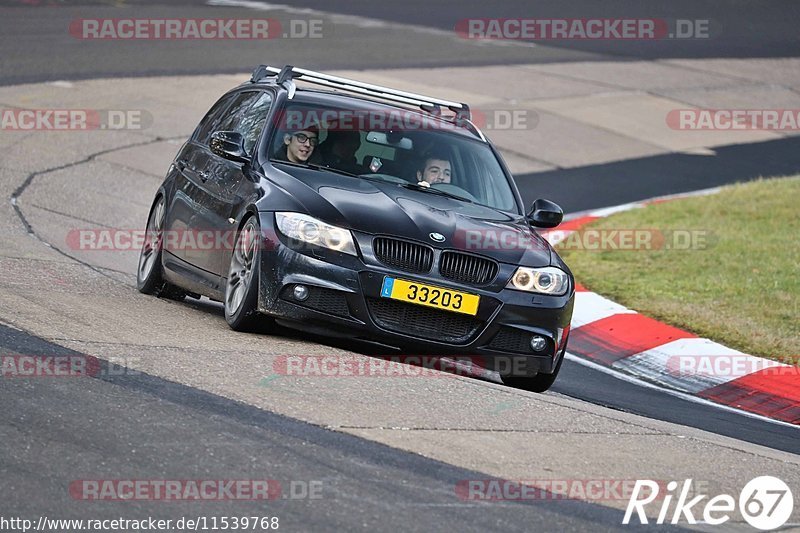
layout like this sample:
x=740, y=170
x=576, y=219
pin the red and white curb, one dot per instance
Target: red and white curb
x=613, y=336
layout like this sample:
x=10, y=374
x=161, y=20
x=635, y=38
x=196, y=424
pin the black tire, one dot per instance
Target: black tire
x=149, y=276
x=538, y=383
x=241, y=289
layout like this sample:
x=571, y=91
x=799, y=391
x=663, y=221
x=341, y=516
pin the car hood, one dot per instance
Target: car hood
x=389, y=209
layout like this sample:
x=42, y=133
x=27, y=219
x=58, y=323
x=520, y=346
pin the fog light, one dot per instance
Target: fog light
x=300, y=292
x=538, y=343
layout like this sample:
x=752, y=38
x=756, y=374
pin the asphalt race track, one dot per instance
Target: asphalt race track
x=196, y=401
x=36, y=48
x=376, y=487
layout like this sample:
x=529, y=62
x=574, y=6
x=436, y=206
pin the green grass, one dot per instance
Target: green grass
x=740, y=287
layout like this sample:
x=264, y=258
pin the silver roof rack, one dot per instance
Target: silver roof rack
x=287, y=74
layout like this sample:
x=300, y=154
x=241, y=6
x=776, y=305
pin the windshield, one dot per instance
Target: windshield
x=396, y=146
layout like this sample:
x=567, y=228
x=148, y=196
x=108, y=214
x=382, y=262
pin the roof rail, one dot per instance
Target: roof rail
x=288, y=73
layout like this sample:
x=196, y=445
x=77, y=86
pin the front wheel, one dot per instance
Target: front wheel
x=538, y=383
x=241, y=290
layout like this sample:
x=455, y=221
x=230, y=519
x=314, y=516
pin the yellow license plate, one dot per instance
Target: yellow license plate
x=422, y=294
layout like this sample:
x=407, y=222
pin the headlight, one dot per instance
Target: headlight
x=308, y=229
x=548, y=280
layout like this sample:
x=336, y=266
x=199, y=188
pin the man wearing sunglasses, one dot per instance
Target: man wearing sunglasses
x=299, y=145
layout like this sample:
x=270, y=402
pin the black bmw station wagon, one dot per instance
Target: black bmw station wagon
x=362, y=211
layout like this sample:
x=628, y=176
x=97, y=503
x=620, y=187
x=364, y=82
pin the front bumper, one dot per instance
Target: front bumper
x=344, y=300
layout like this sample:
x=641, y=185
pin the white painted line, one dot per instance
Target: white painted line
x=677, y=394
x=590, y=307
x=625, y=207
x=692, y=365
x=607, y=211
x=690, y=194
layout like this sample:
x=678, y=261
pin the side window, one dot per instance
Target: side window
x=208, y=125
x=235, y=113
x=252, y=124
x=247, y=115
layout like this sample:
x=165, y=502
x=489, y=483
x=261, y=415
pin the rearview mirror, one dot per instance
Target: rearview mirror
x=230, y=145
x=545, y=214
x=391, y=138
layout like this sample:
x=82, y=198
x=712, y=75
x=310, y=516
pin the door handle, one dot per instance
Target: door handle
x=184, y=166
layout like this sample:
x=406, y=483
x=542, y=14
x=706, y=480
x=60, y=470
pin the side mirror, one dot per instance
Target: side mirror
x=230, y=145
x=545, y=214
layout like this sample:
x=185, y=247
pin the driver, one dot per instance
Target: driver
x=435, y=168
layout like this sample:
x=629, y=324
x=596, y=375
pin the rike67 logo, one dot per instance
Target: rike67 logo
x=765, y=503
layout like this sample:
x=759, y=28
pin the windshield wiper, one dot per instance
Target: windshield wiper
x=417, y=187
